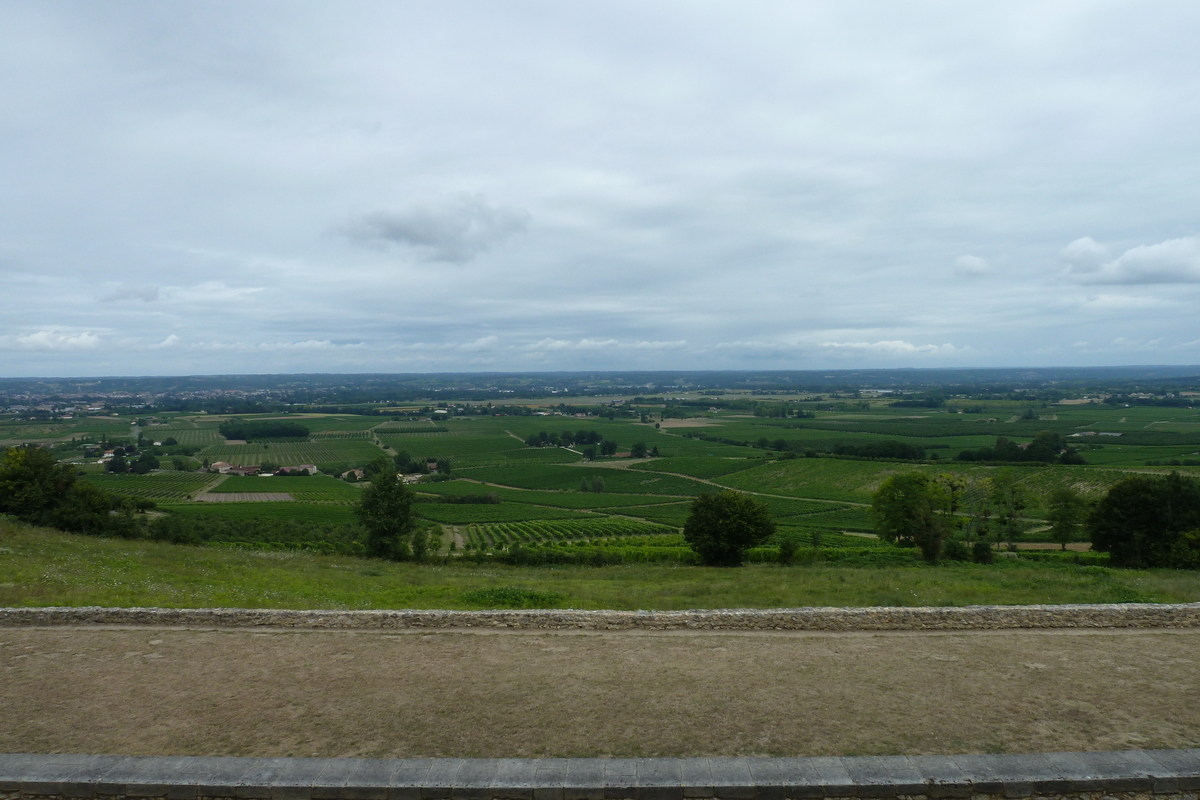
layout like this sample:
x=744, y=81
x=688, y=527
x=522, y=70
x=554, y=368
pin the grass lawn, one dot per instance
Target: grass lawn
x=40, y=567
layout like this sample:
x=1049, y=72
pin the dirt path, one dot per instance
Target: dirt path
x=325, y=693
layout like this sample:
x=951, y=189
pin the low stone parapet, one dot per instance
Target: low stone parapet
x=1128, y=775
x=1122, y=615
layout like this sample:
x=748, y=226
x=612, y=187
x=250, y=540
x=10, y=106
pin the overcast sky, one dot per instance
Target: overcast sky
x=247, y=187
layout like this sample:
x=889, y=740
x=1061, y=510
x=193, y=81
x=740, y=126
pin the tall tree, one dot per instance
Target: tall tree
x=912, y=509
x=385, y=510
x=1065, y=511
x=722, y=526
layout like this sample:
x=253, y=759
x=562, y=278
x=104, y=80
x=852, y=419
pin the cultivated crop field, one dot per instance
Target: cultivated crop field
x=155, y=485
x=792, y=464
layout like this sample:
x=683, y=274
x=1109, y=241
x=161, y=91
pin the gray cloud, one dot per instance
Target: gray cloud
x=971, y=266
x=455, y=230
x=711, y=185
x=147, y=294
x=1172, y=261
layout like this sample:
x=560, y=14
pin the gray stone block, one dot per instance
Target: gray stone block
x=439, y=780
x=514, y=779
x=835, y=779
x=584, y=779
x=1183, y=766
x=942, y=777
x=369, y=780
x=732, y=779
x=659, y=779
x=620, y=778
x=213, y=777
x=980, y=771
x=549, y=779
x=695, y=777
x=407, y=774
x=474, y=779
x=871, y=777
x=779, y=778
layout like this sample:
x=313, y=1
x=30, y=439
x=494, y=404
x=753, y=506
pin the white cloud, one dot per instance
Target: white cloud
x=52, y=340
x=1084, y=256
x=565, y=344
x=482, y=343
x=455, y=230
x=1171, y=261
x=894, y=347
x=971, y=266
x=170, y=341
x=307, y=345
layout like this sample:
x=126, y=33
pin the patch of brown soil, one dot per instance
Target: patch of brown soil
x=244, y=497
x=1078, y=547
x=305, y=693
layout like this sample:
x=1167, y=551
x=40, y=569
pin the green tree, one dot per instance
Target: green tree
x=385, y=510
x=1148, y=520
x=1008, y=497
x=1065, y=511
x=722, y=526
x=911, y=509
x=638, y=450
x=32, y=482
x=608, y=447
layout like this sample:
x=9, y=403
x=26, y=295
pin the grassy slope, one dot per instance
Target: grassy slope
x=48, y=568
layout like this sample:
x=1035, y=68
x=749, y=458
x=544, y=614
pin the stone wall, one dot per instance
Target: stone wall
x=1124, y=615
x=1128, y=775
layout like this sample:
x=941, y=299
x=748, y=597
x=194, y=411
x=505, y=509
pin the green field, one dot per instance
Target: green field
x=789, y=464
x=50, y=568
x=316, y=488
x=155, y=485
x=331, y=454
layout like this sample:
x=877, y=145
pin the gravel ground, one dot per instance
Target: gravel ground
x=166, y=691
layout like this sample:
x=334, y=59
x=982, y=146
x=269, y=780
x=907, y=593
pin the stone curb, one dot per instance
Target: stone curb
x=1124, y=615
x=1128, y=774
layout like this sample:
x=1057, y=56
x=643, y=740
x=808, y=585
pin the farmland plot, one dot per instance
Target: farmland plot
x=565, y=499
x=615, y=480
x=329, y=453
x=500, y=535
x=465, y=513
x=155, y=485
x=317, y=488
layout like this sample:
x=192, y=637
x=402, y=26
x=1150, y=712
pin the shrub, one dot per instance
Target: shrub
x=981, y=553
x=956, y=550
x=789, y=545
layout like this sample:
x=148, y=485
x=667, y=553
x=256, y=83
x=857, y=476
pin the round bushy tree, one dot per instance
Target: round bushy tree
x=385, y=510
x=722, y=526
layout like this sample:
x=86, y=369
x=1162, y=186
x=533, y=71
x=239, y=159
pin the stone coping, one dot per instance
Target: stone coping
x=1101, y=774
x=1122, y=615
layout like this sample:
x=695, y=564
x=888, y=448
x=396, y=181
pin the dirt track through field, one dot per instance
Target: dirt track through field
x=483, y=693
x=244, y=497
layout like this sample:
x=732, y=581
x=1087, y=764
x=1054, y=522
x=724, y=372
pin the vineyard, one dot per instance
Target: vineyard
x=327, y=435
x=308, y=513
x=155, y=485
x=317, y=488
x=697, y=467
x=389, y=428
x=463, y=514
x=490, y=537
x=332, y=454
